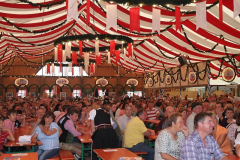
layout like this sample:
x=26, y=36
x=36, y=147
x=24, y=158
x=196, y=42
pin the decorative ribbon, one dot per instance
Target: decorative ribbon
x=80, y=47
x=88, y=12
x=220, y=11
x=112, y=48
x=59, y=53
x=129, y=49
x=74, y=58
x=134, y=19
x=48, y=68
x=156, y=20
x=178, y=18
x=111, y=16
x=117, y=56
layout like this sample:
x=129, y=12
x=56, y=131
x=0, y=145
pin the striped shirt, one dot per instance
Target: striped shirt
x=151, y=115
x=3, y=137
x=9, y=125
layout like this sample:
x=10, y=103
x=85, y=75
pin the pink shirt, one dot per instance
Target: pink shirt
x=9, y=125
x=69, y=125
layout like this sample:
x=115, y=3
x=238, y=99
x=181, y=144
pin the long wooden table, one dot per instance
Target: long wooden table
x=20, y=132
x=114, y=153
x=22, y=156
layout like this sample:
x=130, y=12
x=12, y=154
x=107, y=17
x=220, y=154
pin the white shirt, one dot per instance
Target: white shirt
x=123, y=121
x=190, y=123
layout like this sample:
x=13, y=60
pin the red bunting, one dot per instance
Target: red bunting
x=80, y=47
x=98, y=58
x=74, y=58
x=60, y=67
x=48, y=68
x=67, y=5
x=88, y=12
x=112, y=48
x=134, y=19
x=72, y=70
x=129, y=49
x=58, y=89
x=178, y=18
x=117, y=56
x=91, y=68
x=220, y=11
x=59, y=59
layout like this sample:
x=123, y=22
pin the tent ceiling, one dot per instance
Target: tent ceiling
x=154, y=49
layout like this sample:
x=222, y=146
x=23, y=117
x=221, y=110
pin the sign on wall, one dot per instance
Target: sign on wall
x=62, y=81
x=102, y=81
x=132, y=81
x=21, y=81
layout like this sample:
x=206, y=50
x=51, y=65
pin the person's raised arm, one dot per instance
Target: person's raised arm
x=35, y=126
x=48, y=132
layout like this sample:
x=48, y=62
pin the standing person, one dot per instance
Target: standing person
x=168, y=142
x=196, y=108
x=47, y=137
x=103, y=134
x=134, y=135
x=200, y=145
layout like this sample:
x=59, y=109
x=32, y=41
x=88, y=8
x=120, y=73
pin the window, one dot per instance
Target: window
x=76, y=92
x=22, y=93
x=138, y=93
x=49, y=93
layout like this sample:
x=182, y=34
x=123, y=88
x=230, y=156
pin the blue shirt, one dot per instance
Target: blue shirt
x=193, y=148
x=49, y=142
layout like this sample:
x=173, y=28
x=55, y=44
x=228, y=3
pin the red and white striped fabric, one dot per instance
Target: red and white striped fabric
x=152, y=114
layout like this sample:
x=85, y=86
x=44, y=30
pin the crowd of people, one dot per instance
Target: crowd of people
x=188, y=129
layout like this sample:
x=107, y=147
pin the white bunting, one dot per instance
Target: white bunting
x=53, y=69
x=86, y=59
x=109, y=58
x=156, y=20
x=72, y=12
x=97, y=47
x=65, y=71
x=63, y=56
x=86, y=69
x=124, y=55
x=111, y=20
x=68, y=49
x=236, y=8
x=55, y=53
x=70, y=67
x=201, y=15
x=81, y=71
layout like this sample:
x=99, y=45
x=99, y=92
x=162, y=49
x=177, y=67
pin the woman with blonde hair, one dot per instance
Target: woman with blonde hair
x=221, y=135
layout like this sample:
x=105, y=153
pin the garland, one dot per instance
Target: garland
x=29, y=65
x=153, y=2
x=41, y=54
x=7, y=64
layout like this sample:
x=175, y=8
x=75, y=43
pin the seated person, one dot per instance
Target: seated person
x=39, y=115
x=4, y=112
x=62, y=113
x=134, y=135
x=68, y=127
x=20, y=120
x=47, y=137
x=124, y=119
x=152, y=113
x=164, y=122
x=4, y=134
x=169, y=140
x=9, y=123
x=229, y=112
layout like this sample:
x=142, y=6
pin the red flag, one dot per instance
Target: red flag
x=91, y=68
x=220, y=11
x=134, y=19
x=112, y=48
x=67, y=5
x=48, y=68
x=60, y=67
x=178, y=18
x=129, y=49
x=58, y=89
x=72, y=70
x=59, y=59
x=88, y=12
x=80, y=47
x=74, y=58
x=117, y=56
x=98, y=58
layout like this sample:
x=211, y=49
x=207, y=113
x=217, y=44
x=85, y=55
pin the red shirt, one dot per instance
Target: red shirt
x=3, y=137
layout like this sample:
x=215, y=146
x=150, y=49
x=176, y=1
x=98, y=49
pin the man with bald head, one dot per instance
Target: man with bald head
x=164, y=122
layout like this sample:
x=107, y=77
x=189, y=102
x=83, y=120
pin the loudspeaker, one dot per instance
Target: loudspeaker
x=182, y=60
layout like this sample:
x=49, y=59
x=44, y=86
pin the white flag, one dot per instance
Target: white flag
x=81, y=71
x=70, y=67
x=63, y=56
x=97, y=47
x=156, y=20
x=109, y=58
x=111, y=16
x=236, y=8
x=86, y=59
x=68, y=49
x=124, y=56
x=53, y=69
x=86, y=69
x=72, y=12
x=55, y=53
x=201, y=15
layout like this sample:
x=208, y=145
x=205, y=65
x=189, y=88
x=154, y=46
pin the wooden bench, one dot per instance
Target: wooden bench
x=140, y=153
x=66, y=155
x=54, y=158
